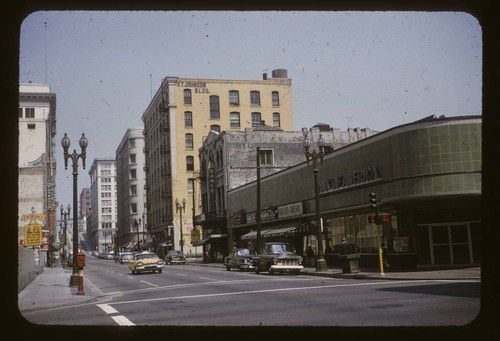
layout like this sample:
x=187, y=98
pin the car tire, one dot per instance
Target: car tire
x=160, y=270
x=133, y=272
x=228, y=267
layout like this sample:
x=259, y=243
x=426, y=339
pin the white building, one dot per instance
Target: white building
x=131, y=193
x=101, y=226
x=37, y=168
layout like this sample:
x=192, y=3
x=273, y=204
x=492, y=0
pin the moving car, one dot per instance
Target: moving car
x=278, y=257
x=174, y=256
x=239, y=258
x=146, y=261
x=125, y=257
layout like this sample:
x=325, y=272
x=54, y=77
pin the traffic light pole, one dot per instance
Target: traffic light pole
x=378, y=221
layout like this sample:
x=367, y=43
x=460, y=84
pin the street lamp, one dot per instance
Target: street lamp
x=136, y=225
x=314, y=156
x=65, y=143
x=180, y=209
x=65, y=215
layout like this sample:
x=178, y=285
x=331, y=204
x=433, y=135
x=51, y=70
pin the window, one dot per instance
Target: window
x=266, y=157
x=187, y=96
x=254, y=98
x=188, y=119
x=214, y=107
x=133, y=207
x=190, y=163
x=215, y=127
x=276, y=98
x=255, y=119
x=276, y=120
x=133, y=190
x=189, y=141
x=131, y=143
x=106, y=210
x=234, y=97
x=132, y=158
x=20, y=112
x=31, y=126
x=133, y=174
x=30, y=112
x=190, y=186
x=234, y=119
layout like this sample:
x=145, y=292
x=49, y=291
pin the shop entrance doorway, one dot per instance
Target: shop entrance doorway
x=449, y=244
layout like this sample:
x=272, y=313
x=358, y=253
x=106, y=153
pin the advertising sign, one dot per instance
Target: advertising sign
x=32, y=235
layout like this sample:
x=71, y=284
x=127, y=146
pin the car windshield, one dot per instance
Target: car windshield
x=146, y=256
x=175, y=253
x=273, y=248
x=127, y=256
x=243, y=252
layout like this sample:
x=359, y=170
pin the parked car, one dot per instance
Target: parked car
x=125, y=257
x=95, y=253
x=174, y=256
x=278, y=257
x=146, y=261
x=105, y=255
x=239, y=258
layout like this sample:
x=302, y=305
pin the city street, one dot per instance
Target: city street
x=189, y=295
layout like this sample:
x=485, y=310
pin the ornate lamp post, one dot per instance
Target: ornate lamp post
x=180, y=209
x=65, y=142
x=65, y=216
x=315, y=157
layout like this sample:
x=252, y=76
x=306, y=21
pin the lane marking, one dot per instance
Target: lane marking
x=130, y=277
x=266, y=291
x=108, y=309
x=181, y=274
x=149, y=283
x=122, y=320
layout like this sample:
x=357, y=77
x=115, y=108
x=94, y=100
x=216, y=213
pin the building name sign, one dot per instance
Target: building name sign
x=199, y=87
x=265, y=214
x=290, y=210
x=352, y=179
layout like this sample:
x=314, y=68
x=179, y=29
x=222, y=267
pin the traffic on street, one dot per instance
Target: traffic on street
x=197, y=295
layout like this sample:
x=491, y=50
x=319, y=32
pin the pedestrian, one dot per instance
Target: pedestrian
x=385, y=256
x=343, y=240
x=310, y=256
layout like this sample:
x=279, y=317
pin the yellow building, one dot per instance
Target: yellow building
x=176, y=122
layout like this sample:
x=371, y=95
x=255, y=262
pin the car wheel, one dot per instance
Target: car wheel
x=133, y=272
x=271, y=271
x=160, y=270
x=257, y=269
x=228, y=267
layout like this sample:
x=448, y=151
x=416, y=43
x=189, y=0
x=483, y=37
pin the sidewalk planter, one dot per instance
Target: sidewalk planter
x=350, y=263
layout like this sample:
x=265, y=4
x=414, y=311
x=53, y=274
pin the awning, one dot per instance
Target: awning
x=277, y=230
x=200, y=242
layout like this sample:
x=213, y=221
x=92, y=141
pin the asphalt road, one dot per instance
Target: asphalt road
x=187, y=295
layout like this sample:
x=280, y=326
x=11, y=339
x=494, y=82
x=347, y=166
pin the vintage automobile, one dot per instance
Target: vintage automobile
x=146, y=261
x=125, y=257
x=278, y=257
x=239, y=258
x=174, y=256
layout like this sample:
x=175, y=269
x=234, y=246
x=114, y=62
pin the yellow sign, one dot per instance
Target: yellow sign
x=195, y=235
x=32, y=235
x=33, y=216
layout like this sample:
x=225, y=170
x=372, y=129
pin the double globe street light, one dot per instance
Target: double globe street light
x=317, y=162
x=65, y=143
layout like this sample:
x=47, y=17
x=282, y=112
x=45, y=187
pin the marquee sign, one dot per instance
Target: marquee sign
x=33, y=230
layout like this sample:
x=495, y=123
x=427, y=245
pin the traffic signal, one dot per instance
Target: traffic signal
x=373, y=201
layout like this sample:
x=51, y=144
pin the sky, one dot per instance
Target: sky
x=367, y=69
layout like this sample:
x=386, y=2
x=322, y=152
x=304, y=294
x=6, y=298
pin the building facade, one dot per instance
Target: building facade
x=178, y=119
x=426, y=175
x=84, y=209
x=131, y=193
x=101, y=226
x=229, y=160
x=37, y=171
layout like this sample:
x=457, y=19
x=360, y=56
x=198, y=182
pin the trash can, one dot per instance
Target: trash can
x=350, y=263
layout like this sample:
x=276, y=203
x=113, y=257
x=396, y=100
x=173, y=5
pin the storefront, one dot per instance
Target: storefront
x=426, y=175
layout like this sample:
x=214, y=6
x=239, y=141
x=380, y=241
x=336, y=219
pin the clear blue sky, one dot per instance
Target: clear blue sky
x=356, y=69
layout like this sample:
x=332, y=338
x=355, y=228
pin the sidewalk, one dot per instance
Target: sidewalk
x=51, y=287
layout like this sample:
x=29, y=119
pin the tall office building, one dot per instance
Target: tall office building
x=176, y=122
x=101, y=226
x=130, y=180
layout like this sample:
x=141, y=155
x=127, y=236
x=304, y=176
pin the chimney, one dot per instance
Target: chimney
x=264, y=76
